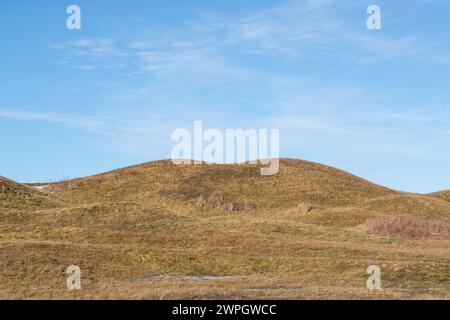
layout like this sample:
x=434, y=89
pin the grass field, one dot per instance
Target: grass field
x=161, y=231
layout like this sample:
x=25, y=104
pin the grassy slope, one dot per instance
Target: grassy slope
x=17, y=196
x=444, y=195
x=138, y=233
x=162, y=181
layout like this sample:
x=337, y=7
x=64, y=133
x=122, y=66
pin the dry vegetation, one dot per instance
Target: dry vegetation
x=17, y=196
x=220, y=203
x=159, y=231
x=408, y=227
x=445, y=195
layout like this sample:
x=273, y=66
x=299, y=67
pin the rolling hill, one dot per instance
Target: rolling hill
x=444, y=195
x=162, y=181
x=18, y=196
x=159, y=230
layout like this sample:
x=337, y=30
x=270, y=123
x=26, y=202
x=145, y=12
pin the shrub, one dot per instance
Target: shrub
x=407, y=227
x=301, y=208
x=218, y=202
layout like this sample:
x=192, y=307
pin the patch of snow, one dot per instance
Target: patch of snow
x=41, y=187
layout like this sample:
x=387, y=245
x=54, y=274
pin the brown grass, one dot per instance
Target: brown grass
x=17, y=196
x=444, y=195
x=409, y=204
x=218, y=202
x=301, y=208
x=408, y=227
x=162, y=181
x=160, y=231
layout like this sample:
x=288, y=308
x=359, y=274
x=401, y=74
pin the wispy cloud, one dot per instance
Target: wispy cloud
x=131, y=136
x=294, y=30
x=90, y=54
x=289, y=30
x=83, y=123
x=220, y=55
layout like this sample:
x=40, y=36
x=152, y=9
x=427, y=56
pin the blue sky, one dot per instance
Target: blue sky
x=79, y=102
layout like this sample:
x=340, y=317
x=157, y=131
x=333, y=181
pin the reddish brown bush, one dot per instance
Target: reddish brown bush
x=407, y=227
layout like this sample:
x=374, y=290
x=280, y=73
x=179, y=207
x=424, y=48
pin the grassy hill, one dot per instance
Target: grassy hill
x=445, y=195
x=162, y=181
x=159, y=230
x=17, y=196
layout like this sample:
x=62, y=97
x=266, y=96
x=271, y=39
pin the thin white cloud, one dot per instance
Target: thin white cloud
x=84, y=123
x=209, y=54
x=136, y=136
x=293, y=30
x=288, y=30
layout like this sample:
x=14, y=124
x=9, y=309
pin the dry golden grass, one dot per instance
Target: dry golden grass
x=445, y=195
x=410, y=204
x=162, y=181
x=408, y=227
x=17, y=196
x=142, y=233
x=222, y=204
